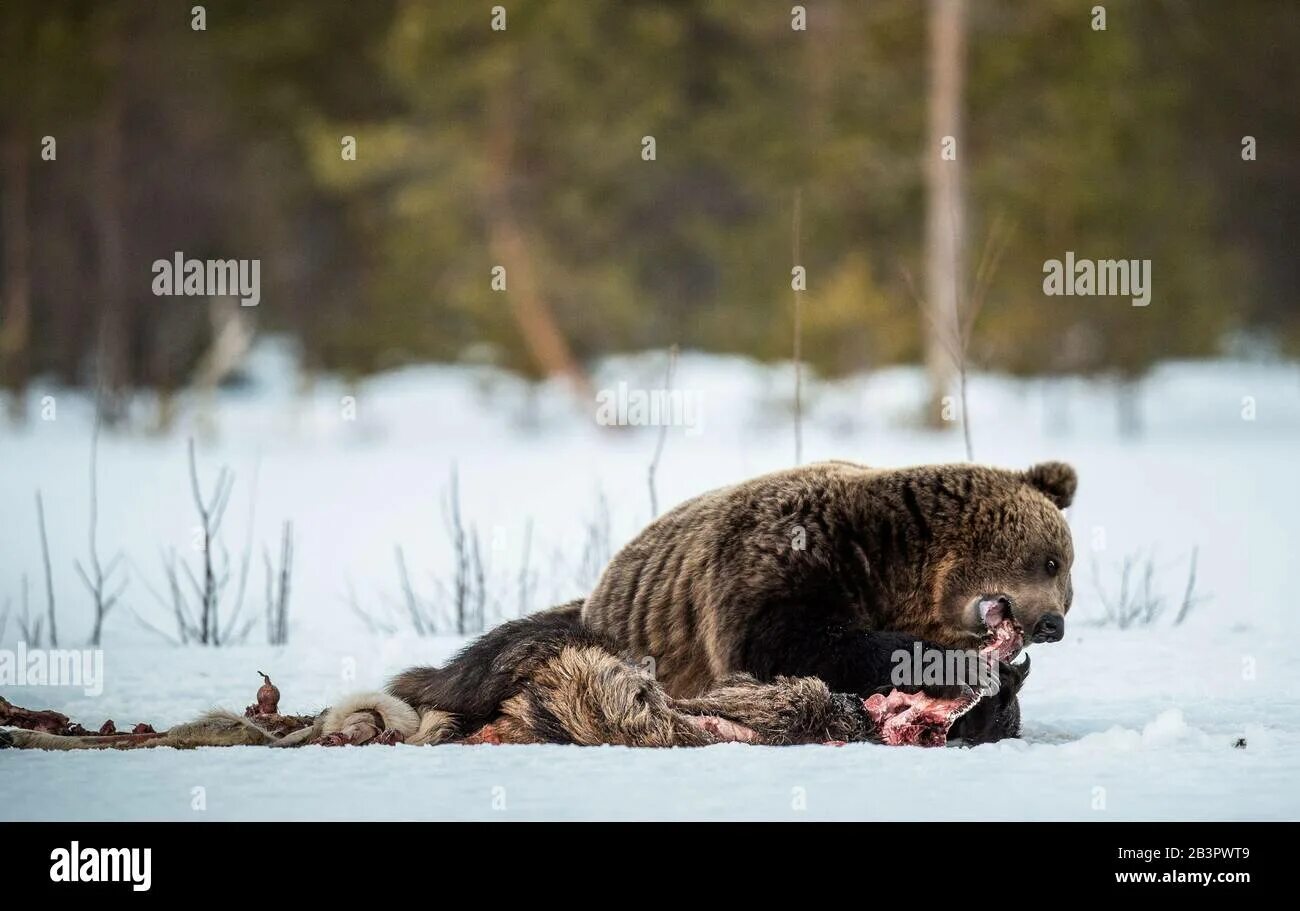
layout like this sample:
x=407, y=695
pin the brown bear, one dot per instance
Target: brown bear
x=829, y=571
x=787, y=573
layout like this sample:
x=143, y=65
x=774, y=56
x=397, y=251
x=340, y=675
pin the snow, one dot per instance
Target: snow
x=1140, y=723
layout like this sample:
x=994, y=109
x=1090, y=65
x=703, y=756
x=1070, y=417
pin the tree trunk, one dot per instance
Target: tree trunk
x=945, y=231
x=108, y=220
x=15, y=325
x=510, y=245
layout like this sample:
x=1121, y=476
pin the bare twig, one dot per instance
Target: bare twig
x=663, y=434
x=1190, y=598
x=994, y=246
x=1138, y=601
x=478, y=580
x=956, y=338
x=171, y=640
x=211, y=512
x=149, y=588
x=97, y=577
x=372, y=622
x=27, y=631
x=194, y=583
x=462, y=602
x=459, y=550
x=408, y=593
x=526, y=580
x=286, y=572
x=185, y=627
x=797, y=229
x=49, y=576
x=246, y=557
x=1128, y=606
x=202, y=621
x=277, y=602
x=596, y=544
x=4, y=618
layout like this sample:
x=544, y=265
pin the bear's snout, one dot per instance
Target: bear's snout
x=1049, y=628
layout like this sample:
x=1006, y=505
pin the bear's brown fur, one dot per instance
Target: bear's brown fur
x=778, y=575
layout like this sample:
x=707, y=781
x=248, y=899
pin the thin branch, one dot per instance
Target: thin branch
x=956, y=338
x=210, y=516
x=373, y=623
x=25, y=628
x=151, y=628
x=797, y=230
x=663, y=434
x=525, y=583
x=185, y=626
x=194, y=582
x=408, y=593
x=94, y=577
x=286, y=571
x=925, y=312
x=595, y=550
x=246, y=558
x=149, y=588
x=479, y=581
x=90, y=586
x=194, y=482
x=995, y=244
x=1139, y=600
x=456, y=529
x=113, y=598
x=277, y=600
x=270, y=594
x=239, y=597
x=1190, y=599
x=112, y=565
x=962, y=341
x=94, y=484
x=241, y=634
x=49, y=576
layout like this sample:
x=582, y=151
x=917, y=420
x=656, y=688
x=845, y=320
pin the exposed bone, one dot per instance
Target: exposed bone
x=917, y=719
x=45, y=720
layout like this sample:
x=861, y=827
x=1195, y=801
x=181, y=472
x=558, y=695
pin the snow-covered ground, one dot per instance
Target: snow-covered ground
x=1137, y=723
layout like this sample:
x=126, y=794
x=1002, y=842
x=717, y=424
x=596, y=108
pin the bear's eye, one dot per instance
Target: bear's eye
x=1052, y=566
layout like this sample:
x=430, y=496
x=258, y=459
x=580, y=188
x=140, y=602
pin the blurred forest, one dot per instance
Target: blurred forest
x=523, y=147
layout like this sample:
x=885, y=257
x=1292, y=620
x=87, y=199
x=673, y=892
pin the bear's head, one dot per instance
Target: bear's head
x=1011, y=537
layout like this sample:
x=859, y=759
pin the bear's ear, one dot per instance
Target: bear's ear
x=1056, y=480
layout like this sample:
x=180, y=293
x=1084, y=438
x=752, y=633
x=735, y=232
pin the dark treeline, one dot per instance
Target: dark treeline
x=523, y=148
